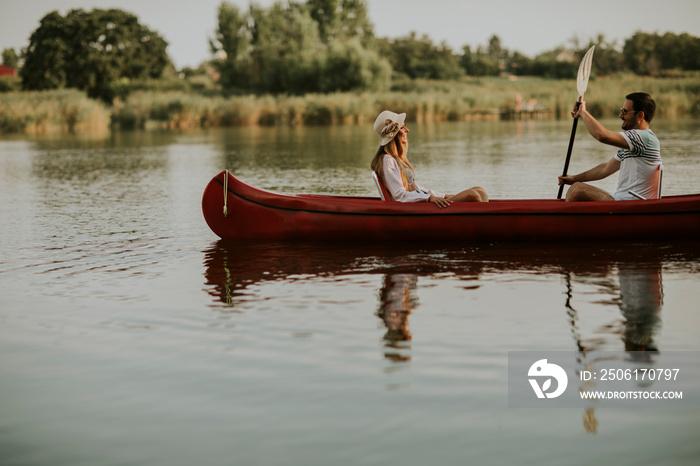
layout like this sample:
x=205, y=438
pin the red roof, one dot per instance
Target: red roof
x=7, y=71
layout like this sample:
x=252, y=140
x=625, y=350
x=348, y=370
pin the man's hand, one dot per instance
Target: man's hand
x=567, y=179
x=579, y=109
x=598, y=172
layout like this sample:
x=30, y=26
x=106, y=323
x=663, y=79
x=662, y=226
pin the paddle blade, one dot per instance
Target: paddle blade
x=584, y=72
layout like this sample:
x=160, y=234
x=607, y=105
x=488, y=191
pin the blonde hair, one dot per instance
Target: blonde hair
x=395, y=149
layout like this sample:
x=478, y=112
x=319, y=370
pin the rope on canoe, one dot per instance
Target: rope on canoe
x=225, y=192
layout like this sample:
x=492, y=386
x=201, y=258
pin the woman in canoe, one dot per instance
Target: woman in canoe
x=398, y=175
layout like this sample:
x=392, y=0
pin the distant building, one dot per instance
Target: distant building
x=7, y=71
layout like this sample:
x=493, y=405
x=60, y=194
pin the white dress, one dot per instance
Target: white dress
x=392, y=182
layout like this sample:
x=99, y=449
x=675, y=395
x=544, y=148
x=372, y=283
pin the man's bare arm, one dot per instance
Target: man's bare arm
x=596, y=173
x=598, y=131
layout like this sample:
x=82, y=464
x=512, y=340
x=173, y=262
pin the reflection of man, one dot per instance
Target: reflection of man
x=641, y=300
x=638, y=156
x=395, y=304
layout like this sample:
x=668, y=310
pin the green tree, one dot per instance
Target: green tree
x=496, y=52
x=680, y=52
x=418, y=57
x=350, y=66
x=607, y=58
x=90, y=50
x=560, y=63
x=232, y=43
x=651, y=54
x=285, y=49
x=277, y=49
x=479, y=63
x=519, y=64
x=9, y=58
x=639, y=53
x=317, y=46
x=9, y=83
x=341, y=20
x=485, y=61
x=45, y=57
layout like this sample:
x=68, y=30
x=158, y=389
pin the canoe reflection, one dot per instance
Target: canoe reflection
x=231, y=267
x=626, y=276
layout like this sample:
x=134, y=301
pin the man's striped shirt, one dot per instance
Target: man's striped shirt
x=638, y=164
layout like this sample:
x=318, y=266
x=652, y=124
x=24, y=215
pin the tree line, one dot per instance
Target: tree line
x=329, y=45
x=297, y=47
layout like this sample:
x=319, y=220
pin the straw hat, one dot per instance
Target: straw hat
x=387, y=125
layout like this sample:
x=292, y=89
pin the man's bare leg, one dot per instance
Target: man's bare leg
x=585, y=192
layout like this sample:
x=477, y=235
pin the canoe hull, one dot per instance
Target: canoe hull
x=257, y=214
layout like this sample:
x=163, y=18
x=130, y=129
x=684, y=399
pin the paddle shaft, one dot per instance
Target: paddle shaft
x=568, y=152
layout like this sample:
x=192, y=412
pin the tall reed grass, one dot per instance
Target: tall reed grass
x=423, y=101
x=65, y=110
x=183, y=110
x=467, y=99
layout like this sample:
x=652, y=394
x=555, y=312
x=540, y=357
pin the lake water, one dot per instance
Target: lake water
x=129, y=334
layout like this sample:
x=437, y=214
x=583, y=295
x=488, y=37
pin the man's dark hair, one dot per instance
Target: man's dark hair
x=643, y=103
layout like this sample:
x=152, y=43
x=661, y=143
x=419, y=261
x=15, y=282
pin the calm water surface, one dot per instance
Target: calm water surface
x=129, y=334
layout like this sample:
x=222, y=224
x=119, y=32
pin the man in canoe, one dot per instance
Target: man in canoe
x=398, y=175
x=638, y=157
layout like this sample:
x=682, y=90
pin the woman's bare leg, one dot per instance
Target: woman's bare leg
x=476, y=194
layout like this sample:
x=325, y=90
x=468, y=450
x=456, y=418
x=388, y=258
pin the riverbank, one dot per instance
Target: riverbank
x=424, y=101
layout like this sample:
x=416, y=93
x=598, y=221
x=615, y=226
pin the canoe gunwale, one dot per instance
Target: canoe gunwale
x=447, y=213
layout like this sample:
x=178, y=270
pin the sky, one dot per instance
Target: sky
x=527, y=26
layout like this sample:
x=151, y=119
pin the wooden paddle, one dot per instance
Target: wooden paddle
x=584, y=72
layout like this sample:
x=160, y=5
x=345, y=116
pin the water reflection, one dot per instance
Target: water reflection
x=641, y=294
x=636, y=289
x=119, y=188
x=614, y=292
x=234, y=269
x=598, y=278
x=639, y=298
x=124, y=156
x=395, y=305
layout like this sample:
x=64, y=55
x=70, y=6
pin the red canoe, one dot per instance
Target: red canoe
x=253, y=213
